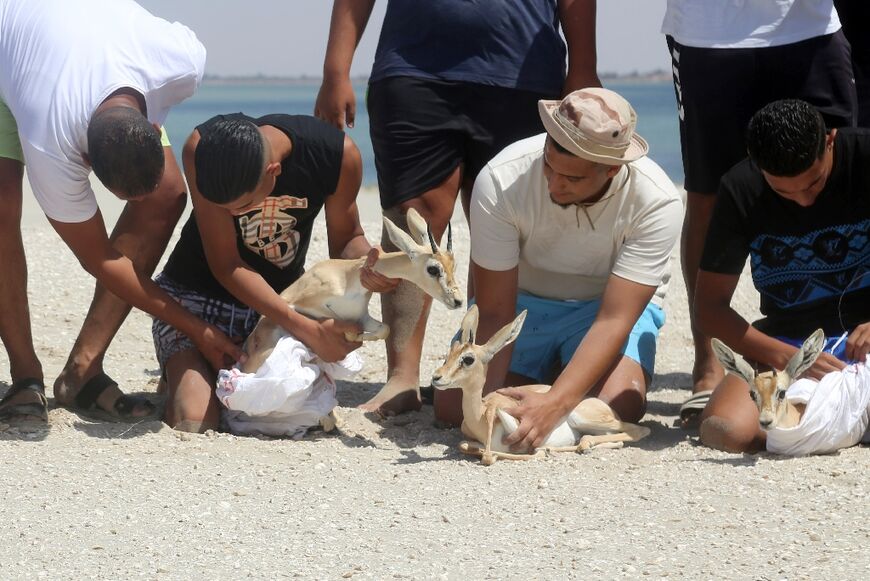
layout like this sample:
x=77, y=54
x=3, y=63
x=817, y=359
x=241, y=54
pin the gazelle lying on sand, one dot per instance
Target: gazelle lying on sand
x=768, y=389
x=331, y=289
x=485, y=419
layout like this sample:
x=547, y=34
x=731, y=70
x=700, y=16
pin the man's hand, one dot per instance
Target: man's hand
x=329, y=342
x=217, y=348
x=826, y=363
x=858, y=343
x=538, y=413
x=375, y=281
x=336, y=102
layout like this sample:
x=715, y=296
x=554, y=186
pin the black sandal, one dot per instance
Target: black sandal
x=21, y=411
x=86, y=400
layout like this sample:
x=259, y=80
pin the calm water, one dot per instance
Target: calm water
x=654, y=103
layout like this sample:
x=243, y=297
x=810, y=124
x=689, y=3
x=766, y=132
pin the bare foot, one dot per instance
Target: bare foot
x=395, y=397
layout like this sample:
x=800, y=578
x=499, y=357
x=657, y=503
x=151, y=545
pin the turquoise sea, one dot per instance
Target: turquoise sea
x=654, y=103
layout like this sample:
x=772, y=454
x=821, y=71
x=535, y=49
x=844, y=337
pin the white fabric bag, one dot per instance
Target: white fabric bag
x=287, y=395
x=837, y=413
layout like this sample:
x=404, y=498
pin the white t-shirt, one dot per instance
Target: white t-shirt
x=59, y=59
x=559, y=254
x=748, y=23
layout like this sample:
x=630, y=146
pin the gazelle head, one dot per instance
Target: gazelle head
x=466, y=362
x=432, y=269
x=768, y=389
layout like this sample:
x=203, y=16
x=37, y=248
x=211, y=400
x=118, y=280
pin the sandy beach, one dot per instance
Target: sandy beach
x=394, y=498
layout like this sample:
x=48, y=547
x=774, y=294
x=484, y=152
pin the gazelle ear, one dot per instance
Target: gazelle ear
x=504, y=336
x=731, y=363
x=401, y=239
x=417, y=226
x=469, y=325
x=806, y=355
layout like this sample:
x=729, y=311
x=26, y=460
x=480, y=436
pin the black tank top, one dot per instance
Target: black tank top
x=272, y=238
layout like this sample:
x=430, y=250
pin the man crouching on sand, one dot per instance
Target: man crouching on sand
x=799, y=208
x=257, y=186
x=577, y=226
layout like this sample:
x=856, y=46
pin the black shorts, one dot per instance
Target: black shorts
x=423, y=129
x=718, y=91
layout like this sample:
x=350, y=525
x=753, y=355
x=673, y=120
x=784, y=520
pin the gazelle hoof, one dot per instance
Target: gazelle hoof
x=470, y=448
x=330, y=421
x=487, y=459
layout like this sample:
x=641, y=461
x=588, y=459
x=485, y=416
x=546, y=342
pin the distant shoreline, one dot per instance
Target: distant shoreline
x=658, y=76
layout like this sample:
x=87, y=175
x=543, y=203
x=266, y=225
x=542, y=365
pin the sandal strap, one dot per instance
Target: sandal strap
x=27, y=384
x=87, y=396
x=125, y=404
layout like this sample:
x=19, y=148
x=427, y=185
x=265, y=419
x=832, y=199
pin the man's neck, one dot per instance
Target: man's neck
x=280, y=145
x=124, y=97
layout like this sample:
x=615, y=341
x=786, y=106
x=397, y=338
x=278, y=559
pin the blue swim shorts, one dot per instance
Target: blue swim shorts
x=553, y=330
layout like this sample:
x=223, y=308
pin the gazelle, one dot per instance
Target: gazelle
x=485, y=419
x=331, y=289
x=768, y=389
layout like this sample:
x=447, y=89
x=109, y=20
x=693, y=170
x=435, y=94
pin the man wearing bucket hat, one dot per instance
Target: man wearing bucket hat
x=576, y=226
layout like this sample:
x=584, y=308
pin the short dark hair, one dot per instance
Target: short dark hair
x=229, y=160
x=125, y=151
x=786, y=137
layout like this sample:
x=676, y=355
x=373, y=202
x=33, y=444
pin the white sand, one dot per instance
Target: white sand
x=393, y=498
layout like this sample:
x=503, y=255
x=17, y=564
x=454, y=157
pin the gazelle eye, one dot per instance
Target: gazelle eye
x=780, y=395
x=753, y=395
x=467, y=360
x=433, y=270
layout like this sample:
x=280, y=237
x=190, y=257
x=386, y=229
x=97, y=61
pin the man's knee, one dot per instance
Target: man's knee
x=729, y=435
x=171, y=200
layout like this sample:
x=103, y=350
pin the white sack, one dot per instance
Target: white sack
x=837, y=413
x=288, y=394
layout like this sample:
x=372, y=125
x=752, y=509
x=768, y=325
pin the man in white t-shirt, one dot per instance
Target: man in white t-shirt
x=88, y=84
x=577, y=226
x=730, y=58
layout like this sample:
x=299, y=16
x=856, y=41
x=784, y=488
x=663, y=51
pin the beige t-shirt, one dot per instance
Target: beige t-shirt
x=566, y=253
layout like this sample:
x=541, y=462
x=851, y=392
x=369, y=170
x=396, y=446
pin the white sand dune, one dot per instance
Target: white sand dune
x=394, y=498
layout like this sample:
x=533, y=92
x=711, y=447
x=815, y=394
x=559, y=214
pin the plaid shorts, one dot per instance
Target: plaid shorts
x=234, y=320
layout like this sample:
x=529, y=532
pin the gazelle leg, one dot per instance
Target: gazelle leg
x=603, y=441
x=488, y=458
x=471, y=448
x=373, y=330
x=331, y=421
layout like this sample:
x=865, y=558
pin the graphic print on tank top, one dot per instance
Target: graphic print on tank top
x=794, y=271
x=269, y=229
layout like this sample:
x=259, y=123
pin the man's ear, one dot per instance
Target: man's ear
x=273, y=169
x=829, y=138
x=613, y=170
x=158, y=128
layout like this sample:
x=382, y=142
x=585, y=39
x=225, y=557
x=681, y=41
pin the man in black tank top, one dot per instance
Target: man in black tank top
x=257, y=186
x=799, y=208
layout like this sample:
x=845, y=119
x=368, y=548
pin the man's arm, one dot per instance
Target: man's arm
x=216, y=228
x=622, y=303
x=578, y=23
x=345, y=234
x=336, y=103
x=496, y=298
x=718, y=319
x=88, y=241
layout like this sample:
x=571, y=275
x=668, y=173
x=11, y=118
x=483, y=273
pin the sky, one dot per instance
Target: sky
x=288, y=37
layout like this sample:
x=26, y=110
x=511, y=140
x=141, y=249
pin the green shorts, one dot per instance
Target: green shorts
x=10, y=144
